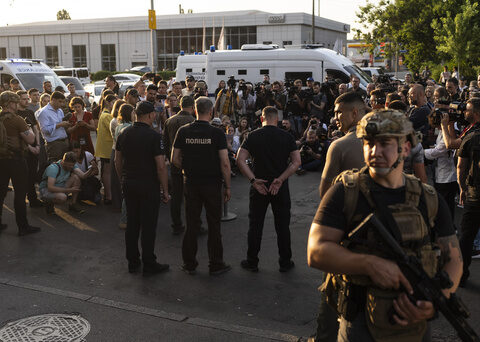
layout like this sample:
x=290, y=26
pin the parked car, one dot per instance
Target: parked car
x=126, y=77
x=79, y=89
x=143, y=68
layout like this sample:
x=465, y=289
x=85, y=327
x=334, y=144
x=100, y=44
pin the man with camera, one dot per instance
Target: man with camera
x=53, y=123
x=247, y=101
x=228, y=101
x=311, y=152
x=295, y=105
x=468, y=176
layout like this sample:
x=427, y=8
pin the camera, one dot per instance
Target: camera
x=67, y=117
x=231, y=82
x=455, y=111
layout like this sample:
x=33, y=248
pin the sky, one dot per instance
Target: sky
x=26, y=11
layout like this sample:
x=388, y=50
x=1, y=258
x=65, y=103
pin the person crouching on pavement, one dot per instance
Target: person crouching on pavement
x=61, y=179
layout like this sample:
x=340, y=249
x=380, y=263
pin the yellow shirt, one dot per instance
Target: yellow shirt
x=103, y=147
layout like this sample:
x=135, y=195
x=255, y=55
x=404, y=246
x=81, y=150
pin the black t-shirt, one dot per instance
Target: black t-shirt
x=270, y=148
x=29, y=118
x=200, y=143
x=140, y=144
x=465, y=150
x=418, y=117
x=330, y=211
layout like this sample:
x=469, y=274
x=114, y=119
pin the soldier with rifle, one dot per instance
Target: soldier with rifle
x=376, y=298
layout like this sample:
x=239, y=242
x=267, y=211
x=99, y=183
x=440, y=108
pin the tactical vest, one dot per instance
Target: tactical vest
x=351, y=294
x=6, y=151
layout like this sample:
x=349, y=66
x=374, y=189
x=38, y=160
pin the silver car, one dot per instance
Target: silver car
x=79, y=89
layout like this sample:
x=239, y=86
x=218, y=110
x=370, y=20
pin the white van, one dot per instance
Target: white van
x=194, y=65
x=31, y=73
x=81, y=73
x=254, y=61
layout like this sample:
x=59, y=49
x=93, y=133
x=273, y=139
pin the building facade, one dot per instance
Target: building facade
x=121, y=43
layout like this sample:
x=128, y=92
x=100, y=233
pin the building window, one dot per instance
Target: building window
x=25, y=52
x=264, y=71
x=268, y=42
x=242, y=72
x=79, y=53
x=109, y=60
x=220, y=72
x=52, y=55
x=287, y=42
x=3, y=53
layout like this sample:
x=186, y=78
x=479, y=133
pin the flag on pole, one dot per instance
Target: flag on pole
x=204, y=48
x=213, y=35
x=221, y=40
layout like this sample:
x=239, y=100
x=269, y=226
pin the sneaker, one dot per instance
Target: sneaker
x=217, y=270
x=76, y=208
x=287, y=267
x=188, y=270
x=122, y=225
x=28, y=230
x=301, y=172
x=247, y=265
x=36, y=203
x=154, y=268
x=134, y=267
x=49, y=208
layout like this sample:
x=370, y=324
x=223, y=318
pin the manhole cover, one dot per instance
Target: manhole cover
x=46, y=328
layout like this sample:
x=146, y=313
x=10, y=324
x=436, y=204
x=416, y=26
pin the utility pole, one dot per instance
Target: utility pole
x=318, y=7
x=313, y=21
x=152, y=24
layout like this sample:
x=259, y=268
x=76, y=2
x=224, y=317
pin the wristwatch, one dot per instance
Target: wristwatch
x=252, y=180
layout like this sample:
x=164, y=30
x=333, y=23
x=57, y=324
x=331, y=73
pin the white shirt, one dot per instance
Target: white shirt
x=445, y=171
x=88, y=157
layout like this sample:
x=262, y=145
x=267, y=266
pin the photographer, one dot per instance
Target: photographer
x=468, y=173
x=279, y=99
x=228, y=101
x=295, y=105
x=247, y=100
x=311, y=153
x=319, y=100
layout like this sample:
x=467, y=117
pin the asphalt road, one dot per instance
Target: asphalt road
x=77, y=264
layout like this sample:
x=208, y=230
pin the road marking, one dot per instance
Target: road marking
x=181, y=319
x=44, y=222
x=74, y=222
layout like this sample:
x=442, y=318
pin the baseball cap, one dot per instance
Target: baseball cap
x=310, y=79
x=144, y=107
x=201, y=85
x=216, y=122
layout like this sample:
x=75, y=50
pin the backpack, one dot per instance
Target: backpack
x=473, y=178
x=5, y=152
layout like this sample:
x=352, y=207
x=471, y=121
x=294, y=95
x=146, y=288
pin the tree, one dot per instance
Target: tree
x=403, y=25
x=63, y=15
x=458, y=36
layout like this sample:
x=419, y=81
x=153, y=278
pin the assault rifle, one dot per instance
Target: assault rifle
x=424, y=287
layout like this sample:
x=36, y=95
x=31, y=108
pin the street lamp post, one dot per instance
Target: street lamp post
x=152, y=24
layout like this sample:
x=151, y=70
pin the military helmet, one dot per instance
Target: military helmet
x=385, y=123
x=7, y=97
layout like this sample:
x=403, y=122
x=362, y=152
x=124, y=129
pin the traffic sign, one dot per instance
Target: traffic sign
x=152, y=20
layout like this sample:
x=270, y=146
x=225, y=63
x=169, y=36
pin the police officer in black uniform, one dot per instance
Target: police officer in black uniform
x=140, y=161
x=275, y=158
x=200, y=150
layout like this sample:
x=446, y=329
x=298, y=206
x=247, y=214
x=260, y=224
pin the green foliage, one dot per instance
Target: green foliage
x=102, y=74
x=431, y=31
x=63, y=15
x=458, y=36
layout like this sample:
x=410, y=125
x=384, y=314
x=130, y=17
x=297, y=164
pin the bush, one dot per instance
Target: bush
x=99, y=75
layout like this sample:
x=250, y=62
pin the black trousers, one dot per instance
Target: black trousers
x=32, y=163
x=468, y=231
x=177, y=197
x=197, y=196
x=281, y=213
x=448, y=191
x=115, y=184
x=17, y=171
x=142, y=201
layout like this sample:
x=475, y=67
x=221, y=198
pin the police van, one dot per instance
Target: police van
x=31, y=73
x=253, y=61
x=81, y=73
x=194, y=65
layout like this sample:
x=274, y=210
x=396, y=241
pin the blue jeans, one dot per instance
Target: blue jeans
x=314, y=165
x=297, y=124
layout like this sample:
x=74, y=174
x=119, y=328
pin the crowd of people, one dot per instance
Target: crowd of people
x=268, y=132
